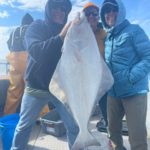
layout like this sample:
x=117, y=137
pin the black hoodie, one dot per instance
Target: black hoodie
x=44, y=46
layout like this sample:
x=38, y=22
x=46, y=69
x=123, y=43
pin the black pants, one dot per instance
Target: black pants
x=103, y=107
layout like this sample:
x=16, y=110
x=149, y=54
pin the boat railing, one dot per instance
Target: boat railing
x=4, y=68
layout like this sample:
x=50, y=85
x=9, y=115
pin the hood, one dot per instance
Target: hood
x=51, y=3
x=27, y=19
x=121, y=12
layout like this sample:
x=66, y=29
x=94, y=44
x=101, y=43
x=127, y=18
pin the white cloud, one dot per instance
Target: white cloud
x=39, y=5
x=7, y=2
x=145, y=24
x=32, y=4
x=4, y=35
x=35, y=4
x=2, y=2
x=25, y=4
x=4, y=14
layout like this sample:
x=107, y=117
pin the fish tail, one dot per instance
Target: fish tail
x=84, y=140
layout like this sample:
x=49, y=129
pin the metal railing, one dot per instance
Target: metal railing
x=4, y=68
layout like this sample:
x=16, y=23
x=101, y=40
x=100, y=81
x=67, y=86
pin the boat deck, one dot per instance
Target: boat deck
x=42, y=141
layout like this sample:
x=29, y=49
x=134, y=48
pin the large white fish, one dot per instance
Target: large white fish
x=81, y=78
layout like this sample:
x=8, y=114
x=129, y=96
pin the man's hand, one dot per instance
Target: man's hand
x=80, y=16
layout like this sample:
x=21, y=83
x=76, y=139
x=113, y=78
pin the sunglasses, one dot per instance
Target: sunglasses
x=110, y=9
x=94, y=14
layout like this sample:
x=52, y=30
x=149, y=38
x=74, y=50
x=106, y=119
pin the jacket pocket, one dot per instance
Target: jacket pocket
x=122, y=84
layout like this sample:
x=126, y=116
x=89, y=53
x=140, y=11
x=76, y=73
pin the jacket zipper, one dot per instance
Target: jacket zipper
x=112, y=46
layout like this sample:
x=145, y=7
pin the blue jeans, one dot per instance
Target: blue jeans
x=30, y=108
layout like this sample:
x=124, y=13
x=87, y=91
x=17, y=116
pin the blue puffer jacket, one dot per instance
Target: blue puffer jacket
x=127, y=53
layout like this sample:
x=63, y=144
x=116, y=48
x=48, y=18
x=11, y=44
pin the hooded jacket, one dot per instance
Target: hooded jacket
x=127, y=53
x=27, y=19
x=44, y=47
x=16, y=40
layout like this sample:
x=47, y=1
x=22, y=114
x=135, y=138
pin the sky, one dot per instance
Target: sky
x=12, y=11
